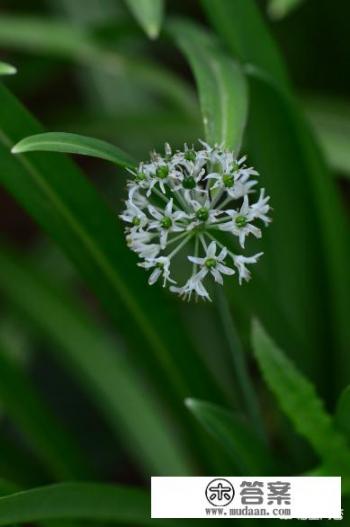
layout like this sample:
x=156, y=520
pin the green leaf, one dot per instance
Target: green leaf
x=7, y=487
x=221, y=84
x=298, y=399
x=7, y=69
x=80, y=45
x=18, y=464
x=149, y=14
x=235, y=435
x=25, y=407
x=103, y=370
x=73, y=144
x=278, y=9
x=54, y=192
x=322, y=238
x=330, y=120
x=316, y=250
x=240, y=25
x=81, y=501
x=342, y=415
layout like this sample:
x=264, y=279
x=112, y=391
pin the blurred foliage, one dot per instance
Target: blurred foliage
x=168, y=383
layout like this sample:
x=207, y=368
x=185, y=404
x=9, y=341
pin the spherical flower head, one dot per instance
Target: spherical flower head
x=180, y=204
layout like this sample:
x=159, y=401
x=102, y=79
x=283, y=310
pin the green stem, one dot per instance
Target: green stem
x=242, y=373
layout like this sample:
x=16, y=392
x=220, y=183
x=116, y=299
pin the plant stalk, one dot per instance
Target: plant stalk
x=241, y=368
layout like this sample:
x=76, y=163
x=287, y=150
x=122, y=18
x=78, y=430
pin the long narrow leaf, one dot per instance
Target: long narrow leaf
x=235, y=435
x=97, y=363
x=315, y=242
x=81, y=501
x=280, y=8
x=58, y=39
x=243, y=30
x=330, y=120
x=342, y=415
x=298, y=399
x=73, y=144
x=221, y=84
x=24, y=406
x=7, y=69
x=19, y=465
x=148, y=13
x=64, y=204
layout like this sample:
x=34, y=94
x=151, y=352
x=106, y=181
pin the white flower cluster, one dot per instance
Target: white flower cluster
x=180, y=205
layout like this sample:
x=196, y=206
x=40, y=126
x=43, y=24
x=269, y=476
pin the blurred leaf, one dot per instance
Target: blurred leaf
x=102, y=369
x=322, y=239
x=221, y=84
x=306, y=254
x=175, y=126
x=242, y=377
x=342, y=415
x=149, y=14
x=78, y=44
x=81, y=501
x=330, y=120
x=73, y=144
x=244, y=32
x=280, y=8
x=298, y=399
x=7, y=487
x=24, y=406
x=54, y=192
x=18, y=464
x=233, y=432
x=7, y=69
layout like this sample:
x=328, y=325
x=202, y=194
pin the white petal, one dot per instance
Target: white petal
x=217, y=276
x=154, y=213
x=196, y=260
x=154, y=276
x=225, y=270
x=211, y=251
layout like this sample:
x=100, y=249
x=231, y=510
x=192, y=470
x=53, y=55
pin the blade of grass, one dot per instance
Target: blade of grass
x=342, y=414
x=19, y=465
x=239, y=359
x=25, y=407
x=240, y=25
x=149, y=14
x=7, y=487
x=102, y=369
x=298, y=399
x=330, y=120
x=7, y=69
x=73, y=144
x=234, y=434
x=278, y=9
x=173, y=125
x=289, y=156
x=64, y=204
x=79, y=45
x=221, y=84
x=81, y=501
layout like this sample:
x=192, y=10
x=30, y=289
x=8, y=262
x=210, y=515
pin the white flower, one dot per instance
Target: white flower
x=161, y=267
x=193, y=284
x=241, y=220
x=135, y=216
x=232, y=176
x=240, y=262
x=185, y=198
x=167, y=222
x=213, y=264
